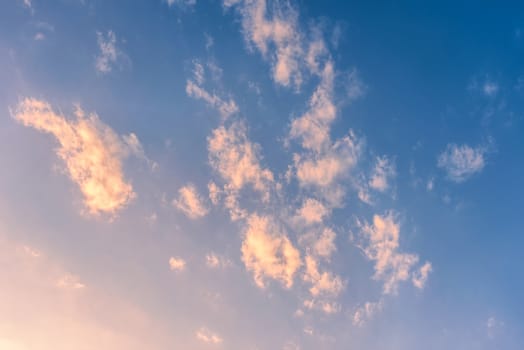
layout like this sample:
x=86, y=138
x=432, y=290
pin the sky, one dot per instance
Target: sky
x=261, y=174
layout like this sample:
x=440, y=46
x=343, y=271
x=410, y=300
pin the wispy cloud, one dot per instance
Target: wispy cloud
x=382, y=246
x=91, y=150
x=383, y=171
x=109, y=56
x=207, y=336
x=190, y=203
x=462, y=161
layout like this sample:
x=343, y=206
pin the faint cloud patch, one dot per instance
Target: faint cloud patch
x=109, y=56
x=462, y=161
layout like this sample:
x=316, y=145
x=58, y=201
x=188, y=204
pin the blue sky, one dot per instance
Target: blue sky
x=250, y=174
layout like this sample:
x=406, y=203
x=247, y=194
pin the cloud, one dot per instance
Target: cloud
x=490, y=88
x=181, y=2
x=215, y=261
x=383, y=171
x=319, y=242
x=322, y=170
x=274, y=32
x=39, y=36
x=493, y=327
x=312, y=128
x=268, y=252
x=225, y=108
x=177, y=264
x=421, y=276
x=312, y=211
x=92, y=153
x=69, y=281
x=323, y=283
x=190, y=203
x=462, y=161
x=366, y=312
x=237, y=159
x=382, y=245
x=205, y=335
x=109, y=54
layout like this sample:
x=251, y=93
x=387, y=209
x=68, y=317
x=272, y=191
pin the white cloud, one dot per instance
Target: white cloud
x=205, y=335
x=268, y=252
x=274, y=32
x=320, y=242
x=365, y=312
x=177, y=264
x=391, y=266
x=69, y=281
x=236, y=159
x=421, y=276
x=490, y=88
x=181, y=2
x=225, y=108
x=312, y=211
x=461, y=162
x=190, y=203
x=39, y=36
x=383, y=171
x=215, y=261
x=109, y=54
x=323, y=283
x=493, y=327
x=324, y=169
x=91, y=151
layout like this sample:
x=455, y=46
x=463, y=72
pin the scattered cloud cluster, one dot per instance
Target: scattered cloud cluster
x=92, y=152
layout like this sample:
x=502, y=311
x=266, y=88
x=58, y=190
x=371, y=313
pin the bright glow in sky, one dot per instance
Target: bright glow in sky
x=261, y=174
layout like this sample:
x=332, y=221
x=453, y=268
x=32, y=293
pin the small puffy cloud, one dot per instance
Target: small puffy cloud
x=490, y=88
x=268, y=253
x=421, y=276
x=215, y=261
x=312, y=211
x=177, y=264
x=462, y=161
x=190, y=203
x=91, y=150
x=109, y=54
x=382, y=246
x=207, y=336
x=69, y=281
x=383, y=171
x=39, y=36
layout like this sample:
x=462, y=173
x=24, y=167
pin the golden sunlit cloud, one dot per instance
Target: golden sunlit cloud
x=91, y=151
